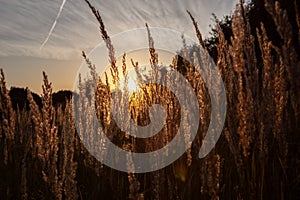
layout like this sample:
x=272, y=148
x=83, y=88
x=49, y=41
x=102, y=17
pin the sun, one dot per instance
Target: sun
x=132, y=84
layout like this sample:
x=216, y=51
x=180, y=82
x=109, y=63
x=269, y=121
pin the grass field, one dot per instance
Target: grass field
x=256, y=157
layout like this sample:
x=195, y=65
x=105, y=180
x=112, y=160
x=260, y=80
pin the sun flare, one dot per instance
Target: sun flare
x=132, y=84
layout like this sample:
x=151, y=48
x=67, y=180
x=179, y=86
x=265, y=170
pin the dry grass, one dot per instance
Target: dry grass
x=43, y=157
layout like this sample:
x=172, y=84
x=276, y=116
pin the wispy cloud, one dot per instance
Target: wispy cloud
x=23, y=24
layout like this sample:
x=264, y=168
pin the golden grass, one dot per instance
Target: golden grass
x=43, y=157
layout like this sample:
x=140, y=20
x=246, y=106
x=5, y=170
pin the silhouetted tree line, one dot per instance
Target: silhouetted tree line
x=19, y=98
x=257, y=14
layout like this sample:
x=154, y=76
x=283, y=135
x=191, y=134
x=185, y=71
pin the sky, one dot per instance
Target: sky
x=49, y=35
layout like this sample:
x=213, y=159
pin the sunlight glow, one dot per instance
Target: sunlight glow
x=132, y=84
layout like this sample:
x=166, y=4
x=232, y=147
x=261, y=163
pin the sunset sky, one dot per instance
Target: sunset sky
x=25, y=26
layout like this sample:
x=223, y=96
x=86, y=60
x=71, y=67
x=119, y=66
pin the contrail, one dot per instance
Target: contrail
x=54, y=23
